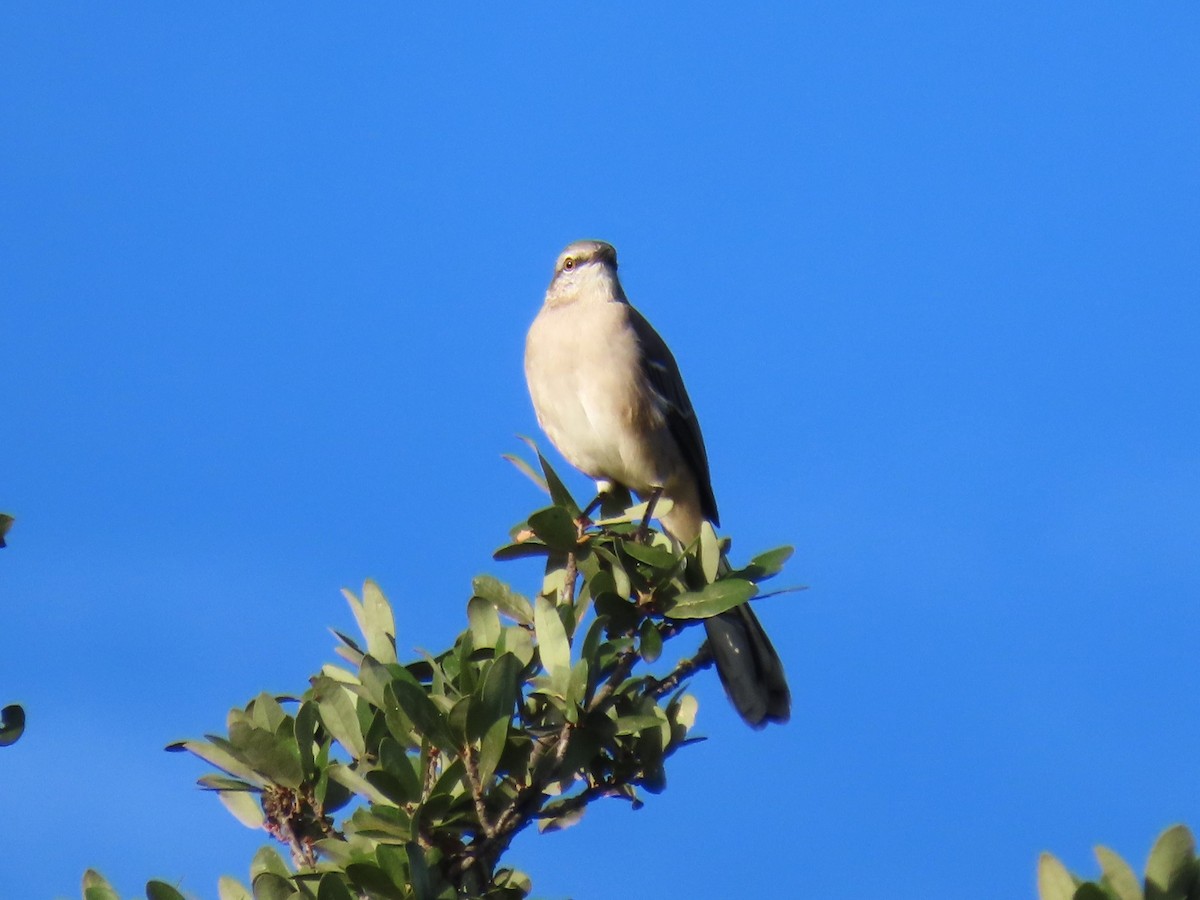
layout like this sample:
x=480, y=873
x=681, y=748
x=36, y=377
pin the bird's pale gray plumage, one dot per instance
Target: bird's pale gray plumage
x=608, y=393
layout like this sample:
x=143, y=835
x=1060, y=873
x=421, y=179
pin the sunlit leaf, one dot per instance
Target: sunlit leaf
x=657, y=557
x=217, y=751
x=229, y=888
x=484, y=622
x=1170, y=857
x=96, y=887
x=553, y=648
x=711, y=600
x=766, y=565
x=380, y=630
x=1118, y=877
x=527, y=470
x=501, y=596
x=1053, y=879
x=710, y=552
x=270, y=886
x=339, y=714
x=244, y=806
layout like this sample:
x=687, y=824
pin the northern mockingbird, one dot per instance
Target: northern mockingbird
x=608, y=394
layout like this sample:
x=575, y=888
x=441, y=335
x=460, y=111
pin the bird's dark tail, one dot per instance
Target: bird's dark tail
x=749, y=667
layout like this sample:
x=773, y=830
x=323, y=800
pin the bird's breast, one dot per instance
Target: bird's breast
x=584, y=371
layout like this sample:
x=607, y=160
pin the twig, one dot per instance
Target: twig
x=471, y=764
x=572, y=574
x=685, y=669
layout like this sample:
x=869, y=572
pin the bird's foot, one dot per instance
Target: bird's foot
x=643, y=532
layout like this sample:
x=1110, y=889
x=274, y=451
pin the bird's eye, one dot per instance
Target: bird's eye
x=569, y=263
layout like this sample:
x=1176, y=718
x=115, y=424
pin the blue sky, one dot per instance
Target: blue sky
x=930, y=273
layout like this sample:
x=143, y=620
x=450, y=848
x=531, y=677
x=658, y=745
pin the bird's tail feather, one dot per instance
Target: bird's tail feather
x=749, y=667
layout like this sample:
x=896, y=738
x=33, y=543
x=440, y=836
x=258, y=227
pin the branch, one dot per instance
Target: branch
x=685, y=669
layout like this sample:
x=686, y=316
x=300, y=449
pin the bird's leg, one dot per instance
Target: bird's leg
x=643, y=532
x=602, y=490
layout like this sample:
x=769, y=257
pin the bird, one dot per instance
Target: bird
x=608, y=393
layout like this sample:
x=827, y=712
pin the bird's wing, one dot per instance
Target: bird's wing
x=662, y=373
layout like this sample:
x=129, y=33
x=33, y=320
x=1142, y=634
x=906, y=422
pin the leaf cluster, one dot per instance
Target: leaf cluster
x=1172, y=873
x=399, y=779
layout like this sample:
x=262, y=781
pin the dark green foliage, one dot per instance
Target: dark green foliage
x=1172, y=873
x=390, y=779
x=12, y=724
x=12, y=717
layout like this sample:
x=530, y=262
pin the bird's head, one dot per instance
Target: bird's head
x=585, y=268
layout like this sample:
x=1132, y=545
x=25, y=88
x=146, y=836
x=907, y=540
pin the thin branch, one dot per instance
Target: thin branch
x=471, y=764
x=569, y=579
x=685, y=669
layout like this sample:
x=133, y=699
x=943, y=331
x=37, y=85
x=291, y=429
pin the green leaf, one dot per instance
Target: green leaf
x=419, y=872
x=711, y=600
x=267, y=859
x=380, y=630
x=500, y=595
x=245, y=807
x=656, y=557
x=1053, y=879
x=160, y=890
x=636, y=723
x=218, y=752
x=527, y=470
x=552, y=820
x=577, y=689
x=339, y=714
x=374, y=677
x=513, y=880
x=552, y=642
x=96, y=887
x=268, y=753
x=266, y=712
x=1168, y=871
x=381, y=823
x=12, y=724
x=305, y=729
x=393, y=861
x=225, y=783
x=427, y=718
x=517, y=641
x=333, y=887
x=651, y=642
x=374, y=881
x=521, y=550
x=354, y=780
x=400, y=765
x=229, y=888
x=1118, y=877
x=710, y=552
x=556, y=527
x=496, y=696
x=766, y=565
x=558, y=491
x=483, y=621
x=5, y=524
x=269, y=886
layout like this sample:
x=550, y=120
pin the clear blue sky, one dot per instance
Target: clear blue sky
x=932, y=277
